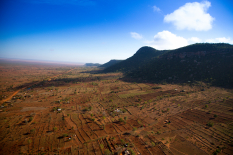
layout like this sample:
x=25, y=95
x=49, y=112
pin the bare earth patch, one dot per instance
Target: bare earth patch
x=32, y=109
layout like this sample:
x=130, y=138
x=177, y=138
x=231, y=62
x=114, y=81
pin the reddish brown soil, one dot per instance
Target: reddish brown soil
x=100, y=112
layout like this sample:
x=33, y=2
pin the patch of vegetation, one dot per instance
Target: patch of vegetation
x=107, y=152
x=210, y=124
x=65, y=135
x=30, y=119
x=88, y=108
x=156, y=87
x=217, y=151
x=101, y=146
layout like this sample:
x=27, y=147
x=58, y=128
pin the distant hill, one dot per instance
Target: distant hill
x=110, y=63
x=140, y=58
x=211, y=63
x=92, y=64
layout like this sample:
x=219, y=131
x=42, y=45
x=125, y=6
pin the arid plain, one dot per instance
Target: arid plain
x=51, y=109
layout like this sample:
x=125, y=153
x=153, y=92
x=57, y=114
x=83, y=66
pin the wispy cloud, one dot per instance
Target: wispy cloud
x=61, y=2
x=156, y=9
x=191, y=16
x=135, y=35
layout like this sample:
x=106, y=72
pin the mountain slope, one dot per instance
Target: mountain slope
x=212, y=63
x=110, y=63
x=141, y=57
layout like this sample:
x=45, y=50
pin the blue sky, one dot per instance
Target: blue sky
x=100, y=30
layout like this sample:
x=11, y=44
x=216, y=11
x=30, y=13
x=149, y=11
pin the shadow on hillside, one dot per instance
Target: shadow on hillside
x=62, y=82
x=203, y=83
x=99, y=71
x=92, y=78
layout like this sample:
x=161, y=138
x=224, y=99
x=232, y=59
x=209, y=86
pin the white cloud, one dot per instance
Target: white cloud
x=167, y=40
x=220, y=40
x=156, y=9
x=191, y=16
x=135, y=35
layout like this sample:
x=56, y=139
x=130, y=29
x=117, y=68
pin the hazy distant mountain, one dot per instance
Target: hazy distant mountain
x=211, y=63
x=141, y=57
x=92, y=64
x=110, y=63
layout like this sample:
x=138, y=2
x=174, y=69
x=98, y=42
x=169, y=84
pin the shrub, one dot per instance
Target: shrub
x=122, y=141
x=33, y=130
x=101, y=146
x=121, y=120
x=132, y=152
x=29, y=141
x=216, y=152
x=156, y=87
x=210, y=124
x=30, y=119
x=90, y=108
x=152, y=144
x=64, y=135
x=134, y=128
x=215, y=115
x=107, y=152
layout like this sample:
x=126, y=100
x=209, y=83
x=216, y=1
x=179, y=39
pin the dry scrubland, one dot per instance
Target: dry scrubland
x=100, y=114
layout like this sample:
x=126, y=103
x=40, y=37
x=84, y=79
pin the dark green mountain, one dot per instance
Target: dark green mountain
x=110, y=63
x=140, y=58
x=211, y=63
